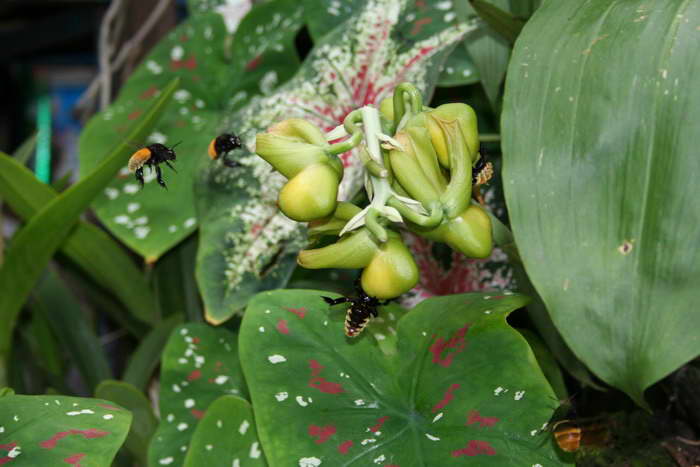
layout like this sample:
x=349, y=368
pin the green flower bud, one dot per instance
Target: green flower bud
x=333, y=224
x=392, y=270
x=353, y=251
x=291, y=145
x=467, y=125
x=386, y=108
x=407, y=169
x=469, y=233
x=310, y=194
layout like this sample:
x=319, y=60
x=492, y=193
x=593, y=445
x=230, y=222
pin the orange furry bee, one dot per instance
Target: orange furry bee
x=152, y=155
x=222, y=145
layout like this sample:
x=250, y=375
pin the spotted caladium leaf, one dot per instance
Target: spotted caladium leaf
x=60, y=430
x=200, y=364
x=216, y=68
x=462, y=387
x=459, y=69
x=226, y=436
x=232, y=10
x=246, y=244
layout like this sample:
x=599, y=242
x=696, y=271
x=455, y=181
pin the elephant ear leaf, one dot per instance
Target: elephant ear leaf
x=600, y=149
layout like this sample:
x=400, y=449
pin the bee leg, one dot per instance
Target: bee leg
x=139, y=175
x=159, y=177
x=335, y=301
x=374, y=312
x=173, y=168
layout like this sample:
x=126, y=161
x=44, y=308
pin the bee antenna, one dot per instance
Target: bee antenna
x=174, y=145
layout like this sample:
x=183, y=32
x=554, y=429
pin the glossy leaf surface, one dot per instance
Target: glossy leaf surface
x=200, y=364
x=600, y=154
x=60, y=430
x=226, y=436
x=459, y=386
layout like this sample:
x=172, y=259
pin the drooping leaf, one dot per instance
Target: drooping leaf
x=147, y=355
x=144, y=423
x=501, y=21
x=200, y=364
x=60, y=430
x=226, y=436
x=600, y=152
x=246, y=245
x=35, y=244
x=87, y=246
x=56, y=304
x=26, y=149
x=462, y=387
x=219, y=71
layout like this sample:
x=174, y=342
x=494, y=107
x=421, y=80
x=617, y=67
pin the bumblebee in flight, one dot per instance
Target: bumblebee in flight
x=222, y=145
x=152, y=155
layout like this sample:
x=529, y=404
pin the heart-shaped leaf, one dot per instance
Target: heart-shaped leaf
x=246, y=244
x=462, y=385
x=200, y=364
x=60, y=430
x=226, y=436
x=600, y=149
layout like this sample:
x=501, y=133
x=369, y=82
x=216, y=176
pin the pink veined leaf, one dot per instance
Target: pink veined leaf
x=358, y=64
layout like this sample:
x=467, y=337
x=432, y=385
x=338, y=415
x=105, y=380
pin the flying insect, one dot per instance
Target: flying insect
x=152, y=155
x=222, y=145
x=361, y=310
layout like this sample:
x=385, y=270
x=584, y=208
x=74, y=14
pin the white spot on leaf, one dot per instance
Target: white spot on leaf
x=309, y=462
x=280, y=396
x=276, y=359
x=244, y=427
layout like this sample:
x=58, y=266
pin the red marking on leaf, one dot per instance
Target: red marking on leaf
x=418, y=25
x=447, y=398
x=148, y=93
x=379, y=424
x=6, y=447
x=180, y=123
x=194, y=375
x=5, y=460
x=475, y=448
x=110, y=407
x=345, y=446
x=196, y=340
x=346, y=158
x=198, y=414
x=300, y=312
x=74, y=459
x=282, y=326
x=440, y=345
x=320, y=383
x=134, y=115
x=315, y=367
x=421, y=4
x=498, y=297
x=88, y=434
x=254, y=63
x=475, y=417
x=184, y=38
x=323, y=433
x=256, y=228
x=188, y=64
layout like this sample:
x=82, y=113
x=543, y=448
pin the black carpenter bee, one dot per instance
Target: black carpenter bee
x=360, y=312
x=221, y=145
x=152, y=155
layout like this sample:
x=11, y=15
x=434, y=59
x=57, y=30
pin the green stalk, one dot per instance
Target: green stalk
x=412, y=216
x=414, y=98
x=455, y=198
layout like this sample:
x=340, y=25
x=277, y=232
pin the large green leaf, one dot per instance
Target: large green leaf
x=35, y=244
x=226, y=436
x=94, y=251
x=459, y=386
x=126, y=395
x=200, y=364
x=246, y=245
x=219, y=71
x=59, y=430
x=600, y=151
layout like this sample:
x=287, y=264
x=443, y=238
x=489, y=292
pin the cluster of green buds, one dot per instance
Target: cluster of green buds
x=419, y=166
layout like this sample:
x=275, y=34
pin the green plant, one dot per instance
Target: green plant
x=597, y=138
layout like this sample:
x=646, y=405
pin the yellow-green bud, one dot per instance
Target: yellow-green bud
x=466, y=117
x=469, y=233
x=353, y=251
x=392, y=270
x=311, y=194
x=291, y=145
x=333, y=224
x=386, y=108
